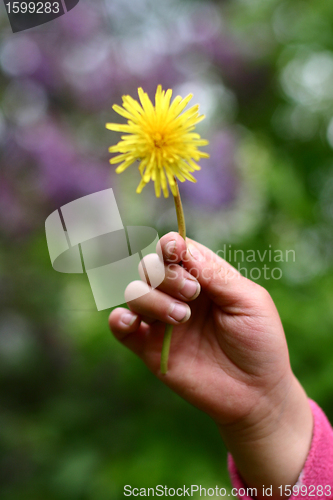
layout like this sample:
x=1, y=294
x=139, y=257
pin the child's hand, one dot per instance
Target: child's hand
x=228, y=357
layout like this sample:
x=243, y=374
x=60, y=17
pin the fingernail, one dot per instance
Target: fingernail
x=180, y=312
x=170, y=248
x=128, y=318
x=194, y=252
x=190, y=289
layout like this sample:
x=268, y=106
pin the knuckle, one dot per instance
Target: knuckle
x=263, y=293
x=260, y=295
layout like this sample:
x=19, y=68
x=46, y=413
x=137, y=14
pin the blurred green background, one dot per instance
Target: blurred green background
x=80, y=416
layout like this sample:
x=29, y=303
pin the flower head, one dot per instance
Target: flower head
x=161, y=137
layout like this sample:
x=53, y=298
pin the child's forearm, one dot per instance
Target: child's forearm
x=272, y=450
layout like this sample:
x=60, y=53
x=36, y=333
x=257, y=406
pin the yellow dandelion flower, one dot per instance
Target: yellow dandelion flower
x=161, y=137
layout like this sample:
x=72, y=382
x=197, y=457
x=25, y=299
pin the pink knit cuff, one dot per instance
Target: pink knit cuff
x=318, y=468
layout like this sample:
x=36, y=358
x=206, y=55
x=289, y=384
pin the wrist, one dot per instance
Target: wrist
x=270, y=447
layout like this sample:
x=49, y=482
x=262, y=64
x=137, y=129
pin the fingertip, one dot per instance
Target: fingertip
x=122, y=322
x=173, y=247
x=135, y=290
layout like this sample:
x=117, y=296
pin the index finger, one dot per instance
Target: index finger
x=173, y=247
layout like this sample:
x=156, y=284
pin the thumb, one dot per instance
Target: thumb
x=220, y=280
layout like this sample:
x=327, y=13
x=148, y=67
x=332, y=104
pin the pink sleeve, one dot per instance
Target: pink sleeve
x=318, y=468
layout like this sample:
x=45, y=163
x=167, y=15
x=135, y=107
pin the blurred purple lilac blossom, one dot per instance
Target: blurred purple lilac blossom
x=62, y=172
x=217, y=179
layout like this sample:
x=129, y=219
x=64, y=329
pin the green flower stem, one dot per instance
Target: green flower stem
x=166, y=348
x=180, y=214
x=169, y=328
